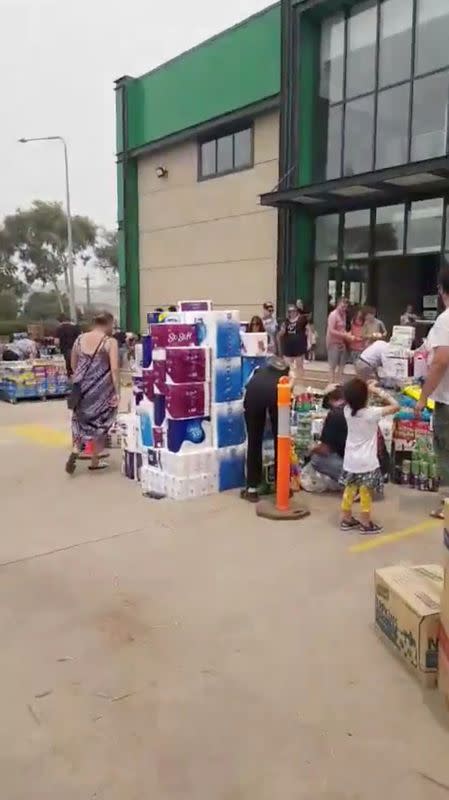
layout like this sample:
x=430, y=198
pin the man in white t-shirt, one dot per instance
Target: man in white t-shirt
x=437, y=387
x=368, y=362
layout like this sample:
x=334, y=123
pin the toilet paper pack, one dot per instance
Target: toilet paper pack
x=228, y=424
x=194, y=462
x=187, y=364
x=145, y=415
x=219, y=330
x=187, y=400
x=189, y=488
x=227, y=379
x=159, y=370
x=254, y=344
x=184, y=435
x=174, y=335
x=153, y=481
x=249, y=366
x=195, y=305
x=147, y=350
x=148, y=383
x=159, y=436
x=159, y=409
x=129, y=425
x=230, y=468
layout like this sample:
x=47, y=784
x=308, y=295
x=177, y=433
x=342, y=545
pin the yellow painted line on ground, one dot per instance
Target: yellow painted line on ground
x=42, y=435
x=397, y=536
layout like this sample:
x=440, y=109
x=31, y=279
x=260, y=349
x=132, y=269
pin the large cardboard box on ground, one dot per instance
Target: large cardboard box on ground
x=443, y=656
x=407, y=615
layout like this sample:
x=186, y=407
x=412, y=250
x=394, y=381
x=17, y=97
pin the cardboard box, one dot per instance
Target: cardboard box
x=407, y=615
x=443, y=649
x=446, y=543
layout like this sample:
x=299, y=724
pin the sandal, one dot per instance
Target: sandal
x=70, y=465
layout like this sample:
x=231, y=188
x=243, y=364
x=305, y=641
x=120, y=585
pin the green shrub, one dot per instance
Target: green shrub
x=12, y=326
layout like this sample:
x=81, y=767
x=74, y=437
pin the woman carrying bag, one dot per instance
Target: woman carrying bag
x=95, y=390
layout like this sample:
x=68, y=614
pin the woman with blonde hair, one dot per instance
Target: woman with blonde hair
x=95, y=390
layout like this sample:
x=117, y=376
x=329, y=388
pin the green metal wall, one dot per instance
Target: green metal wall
x=238, y=67
x=235, y=69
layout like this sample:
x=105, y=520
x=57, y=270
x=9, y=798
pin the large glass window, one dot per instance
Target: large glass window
x=227, y=153
x=357, y=233
x=425, y=226
x=243, y=148
x=334, y=132
x=378, y=35
x=432, y=35
x=326, y=237
x=361, y=57
x=224, y=154
x=392, y=126
x=395, y=45
x=359, y=131
x=430, y=108
x=332, y=58
x=209, y=158
x=389, y=231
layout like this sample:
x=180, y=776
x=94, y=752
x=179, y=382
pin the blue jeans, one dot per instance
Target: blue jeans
x=330, y=465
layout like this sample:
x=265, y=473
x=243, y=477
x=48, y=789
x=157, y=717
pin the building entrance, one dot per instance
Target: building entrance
x=388, y=283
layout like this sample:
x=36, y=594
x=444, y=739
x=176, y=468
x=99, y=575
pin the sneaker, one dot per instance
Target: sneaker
x=370, y=529
x=349, y=524
x=252, y=497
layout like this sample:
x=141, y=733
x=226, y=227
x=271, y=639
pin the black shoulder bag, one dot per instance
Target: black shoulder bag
x=76, y=395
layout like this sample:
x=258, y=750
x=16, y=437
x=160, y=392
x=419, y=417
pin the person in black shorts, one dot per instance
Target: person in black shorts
x=67, y=333
x=293, y=340
x=260, y=402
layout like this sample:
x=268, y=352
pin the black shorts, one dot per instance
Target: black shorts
x=294, y=346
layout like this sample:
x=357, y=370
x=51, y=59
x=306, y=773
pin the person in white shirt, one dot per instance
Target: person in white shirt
x=361, y=469
x=368, y=362
x=437, y=388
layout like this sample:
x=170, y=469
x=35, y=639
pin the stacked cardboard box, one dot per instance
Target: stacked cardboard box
x=443, y=659
x=407, y=615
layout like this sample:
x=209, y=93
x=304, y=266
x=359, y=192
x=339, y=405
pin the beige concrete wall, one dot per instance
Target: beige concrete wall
x=209, y=239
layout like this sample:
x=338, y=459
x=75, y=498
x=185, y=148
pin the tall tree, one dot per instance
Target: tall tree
x=106, y=251
x=44, y=305
x=9, y=305
x=9, y=279
x=38, y=236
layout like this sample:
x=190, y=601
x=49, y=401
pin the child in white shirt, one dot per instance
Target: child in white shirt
x=361, y=470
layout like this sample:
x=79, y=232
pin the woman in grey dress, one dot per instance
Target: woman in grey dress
x=95, y=365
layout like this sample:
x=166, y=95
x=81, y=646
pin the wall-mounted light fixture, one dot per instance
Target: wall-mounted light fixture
x=161, y=172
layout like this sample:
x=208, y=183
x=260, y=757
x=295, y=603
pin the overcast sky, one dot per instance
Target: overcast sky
x=58, y=62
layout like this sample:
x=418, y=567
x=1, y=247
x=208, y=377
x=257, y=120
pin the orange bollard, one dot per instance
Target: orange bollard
x=283, y=445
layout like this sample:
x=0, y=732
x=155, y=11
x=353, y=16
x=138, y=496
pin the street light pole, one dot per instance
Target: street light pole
x=72, y=305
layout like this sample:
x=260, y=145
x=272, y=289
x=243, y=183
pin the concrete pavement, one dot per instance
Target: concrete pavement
x=190, y=650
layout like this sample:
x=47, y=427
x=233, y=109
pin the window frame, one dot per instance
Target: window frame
x=220, y=134
x=410, y=81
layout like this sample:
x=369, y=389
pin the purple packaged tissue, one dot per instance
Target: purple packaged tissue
x=174, y=335
x=186, y=400
x=187, y=364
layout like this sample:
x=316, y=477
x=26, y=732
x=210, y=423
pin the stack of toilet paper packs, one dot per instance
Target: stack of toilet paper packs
x=185, y=435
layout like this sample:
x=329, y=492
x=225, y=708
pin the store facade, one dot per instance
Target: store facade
x=364, y=188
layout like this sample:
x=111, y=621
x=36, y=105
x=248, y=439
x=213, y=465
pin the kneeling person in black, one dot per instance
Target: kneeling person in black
x=260, y=399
